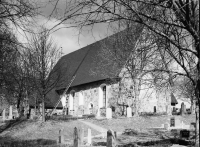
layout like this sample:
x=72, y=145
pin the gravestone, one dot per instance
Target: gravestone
x=59, y=137
x=166, y=126
x=111, y=140
x=76, y=137
x=17, y=114
x=81, y=136
x=182, y=108
x=108, y=113
x=174, y=111
x=154, y=109
x=172, y=122
x=184, y=134
x=4, y=115
x=98, y=113
x=10, y=112
x=31, y=114
x=182, y=125
x=89, y=137
x=177, y=123
x=115, y=134
x=192, y=126
x=129, y=112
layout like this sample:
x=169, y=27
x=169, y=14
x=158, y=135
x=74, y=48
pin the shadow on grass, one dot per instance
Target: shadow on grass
x=158, y=143
x=10, y=142
x=11, y=123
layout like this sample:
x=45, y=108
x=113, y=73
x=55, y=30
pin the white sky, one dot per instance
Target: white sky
x=70, y=39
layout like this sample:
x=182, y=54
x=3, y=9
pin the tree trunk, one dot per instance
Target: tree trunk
x=197, y=94
x=18, y=107
x=197, y=126
x=192, y=107
x=137, y=94
x=43, y=109
x=168, y=102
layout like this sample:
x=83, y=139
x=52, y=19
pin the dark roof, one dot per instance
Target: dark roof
x=49, y=101
x=89, y=70
x=173, y=100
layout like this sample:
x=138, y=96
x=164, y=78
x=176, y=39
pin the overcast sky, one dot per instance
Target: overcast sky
x=70, y=39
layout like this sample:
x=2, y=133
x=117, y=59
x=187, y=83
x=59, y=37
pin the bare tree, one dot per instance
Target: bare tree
x=18, y=14
x=173, y=20
x=134, y=51
x=15, y=81
x=41, y=58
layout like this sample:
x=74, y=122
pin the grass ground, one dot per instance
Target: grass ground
x=48, y=131
x=141, y=134
x=139, y=123
x=31, y=130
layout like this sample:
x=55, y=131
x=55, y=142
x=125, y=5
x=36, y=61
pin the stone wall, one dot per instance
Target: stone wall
x=117, y=93
x=148, y=96
x=90, y=94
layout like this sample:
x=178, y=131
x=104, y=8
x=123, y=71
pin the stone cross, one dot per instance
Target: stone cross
x=108, y=113
x=4, y=115
x=76, y=137
x=89, y=137
x=129, y=112
x=111, y=140
x=10, y=112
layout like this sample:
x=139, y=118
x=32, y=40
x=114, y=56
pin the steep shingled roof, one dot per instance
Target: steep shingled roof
x=88, y=71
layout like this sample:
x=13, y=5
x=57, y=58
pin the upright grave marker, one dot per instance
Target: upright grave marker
x=108, y=113
x=154, y=109
x=59, y=137
x=177, y=122
x=129, y=112
x=182, y=108
x=172, y=122
x=89, y=137
x=76, y=140
x=81, y=136
x=4, y=115
x=111, y=140
x=10, y=112
x=166, y=126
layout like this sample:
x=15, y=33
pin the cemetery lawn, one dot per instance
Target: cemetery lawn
x=139, y=123
x=32, y=130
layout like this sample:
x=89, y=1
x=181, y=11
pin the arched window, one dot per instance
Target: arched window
x=104, y=96
x=81, y=98
x=71, y=100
